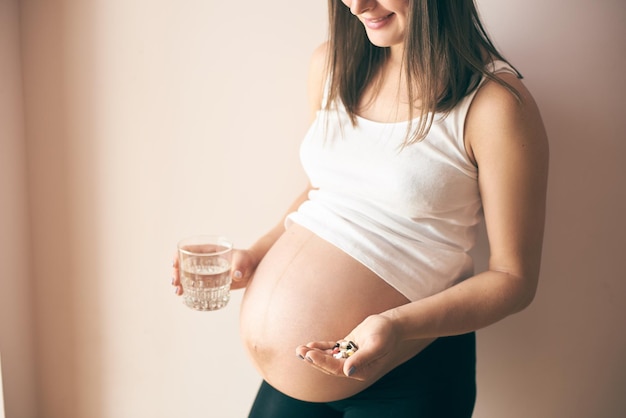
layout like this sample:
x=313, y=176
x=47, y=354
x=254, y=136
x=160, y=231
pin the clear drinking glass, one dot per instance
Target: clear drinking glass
x=204, y=267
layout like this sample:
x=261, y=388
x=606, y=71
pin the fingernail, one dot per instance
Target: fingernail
x=176, y=290
x=309, y=359
x=351, y=371
x=300, y=356
x=173, y=279
x=237, y=275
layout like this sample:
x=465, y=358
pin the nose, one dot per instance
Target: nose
x=358, y=7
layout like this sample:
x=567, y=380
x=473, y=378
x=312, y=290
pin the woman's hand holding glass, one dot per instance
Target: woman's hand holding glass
x=244, y=263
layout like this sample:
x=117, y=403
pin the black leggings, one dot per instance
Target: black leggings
x=439, y=382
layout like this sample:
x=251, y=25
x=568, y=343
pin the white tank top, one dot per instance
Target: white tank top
x=410, y=215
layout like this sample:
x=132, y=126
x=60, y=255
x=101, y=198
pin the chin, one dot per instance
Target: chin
x=384, y=41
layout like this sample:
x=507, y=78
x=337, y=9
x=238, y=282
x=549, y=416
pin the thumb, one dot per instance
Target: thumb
x=243, y=265
x=360, y=365
x=356, y=365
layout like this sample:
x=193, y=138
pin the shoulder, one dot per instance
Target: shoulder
x=318, y=58
x=497, y=118
x=317, y=76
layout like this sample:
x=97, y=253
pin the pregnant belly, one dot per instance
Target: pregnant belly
x=304, y=290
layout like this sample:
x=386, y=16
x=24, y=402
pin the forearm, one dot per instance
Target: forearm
x=263, y=244
x=468, y=306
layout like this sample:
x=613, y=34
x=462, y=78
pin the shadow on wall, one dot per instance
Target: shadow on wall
x=64, y=264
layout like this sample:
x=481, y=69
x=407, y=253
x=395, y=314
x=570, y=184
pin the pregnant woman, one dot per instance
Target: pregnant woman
x=363, y=301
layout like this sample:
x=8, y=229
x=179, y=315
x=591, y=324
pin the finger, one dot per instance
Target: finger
x=308, y=360
x=237, y=275
x=239, y=280
x=322, y=345
x=354, y=368
x=325, y=362
x=241, y=269
x=175, y=281
x=362, y=363
x=175, y=278
x=239, y=266
x=302, y=350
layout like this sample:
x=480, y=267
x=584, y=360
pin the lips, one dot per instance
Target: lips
x=377, y=22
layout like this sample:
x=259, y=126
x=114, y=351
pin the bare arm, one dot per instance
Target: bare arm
x=508, y=142
x=262, y=246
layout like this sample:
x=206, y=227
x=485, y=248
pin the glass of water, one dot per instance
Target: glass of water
x=204, y=268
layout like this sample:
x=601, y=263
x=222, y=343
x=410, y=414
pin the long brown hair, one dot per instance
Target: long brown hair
x=446, y=54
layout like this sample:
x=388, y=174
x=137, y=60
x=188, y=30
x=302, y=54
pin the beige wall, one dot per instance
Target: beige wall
x=150, y=120
x=564, y=356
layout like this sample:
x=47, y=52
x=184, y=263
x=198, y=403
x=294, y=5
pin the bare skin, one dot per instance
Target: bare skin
x=304, y=294
x=294, y=297
x=507, y=141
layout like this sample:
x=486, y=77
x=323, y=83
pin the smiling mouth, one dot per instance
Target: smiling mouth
x=378, y=22
x=380, y=19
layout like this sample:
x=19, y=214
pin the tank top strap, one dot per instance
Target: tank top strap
x=459, y=114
